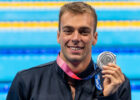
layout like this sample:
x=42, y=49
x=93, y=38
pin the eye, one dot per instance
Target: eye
x=68, y=31
x=84, y=31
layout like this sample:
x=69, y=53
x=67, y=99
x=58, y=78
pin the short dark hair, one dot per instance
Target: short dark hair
x=78, y=8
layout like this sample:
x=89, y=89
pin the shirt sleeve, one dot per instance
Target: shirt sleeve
x=16, y=91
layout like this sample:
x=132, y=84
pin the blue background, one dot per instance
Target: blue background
x=26, y=48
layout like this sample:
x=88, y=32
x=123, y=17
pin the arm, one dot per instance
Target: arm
x=116, y=85
x=17, y=89
x=123, y=93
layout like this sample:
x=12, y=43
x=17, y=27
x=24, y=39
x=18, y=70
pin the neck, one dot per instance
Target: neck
x=77, y=66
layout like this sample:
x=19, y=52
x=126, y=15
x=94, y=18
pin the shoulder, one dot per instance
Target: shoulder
x=27, y=80
x=41, y=67
x=37, y=71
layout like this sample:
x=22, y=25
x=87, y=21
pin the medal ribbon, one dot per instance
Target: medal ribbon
x=68, y=71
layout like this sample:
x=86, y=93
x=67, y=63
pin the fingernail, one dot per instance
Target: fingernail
x=104, y=66
x=109, y=63
x=102, y=71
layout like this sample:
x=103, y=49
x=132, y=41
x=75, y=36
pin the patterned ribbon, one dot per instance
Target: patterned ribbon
x=68, y=71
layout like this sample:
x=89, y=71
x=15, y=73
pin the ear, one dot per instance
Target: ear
x=58, y=36
x=95, y=37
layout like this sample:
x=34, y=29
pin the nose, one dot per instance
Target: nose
x=76, y=37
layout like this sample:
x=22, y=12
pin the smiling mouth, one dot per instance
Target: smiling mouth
x=75, y=47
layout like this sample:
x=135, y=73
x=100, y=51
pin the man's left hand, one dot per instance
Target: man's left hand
x=113, y=78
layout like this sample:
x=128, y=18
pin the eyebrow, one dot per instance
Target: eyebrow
x=84, y=27
x=67, y=27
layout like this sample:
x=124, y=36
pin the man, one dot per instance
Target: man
x=70, y=76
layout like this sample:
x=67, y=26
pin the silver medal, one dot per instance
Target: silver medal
x=104, y=58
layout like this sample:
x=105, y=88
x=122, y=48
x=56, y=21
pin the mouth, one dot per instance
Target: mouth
x=75, y=48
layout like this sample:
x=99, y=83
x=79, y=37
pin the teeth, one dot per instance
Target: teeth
x=75, y=48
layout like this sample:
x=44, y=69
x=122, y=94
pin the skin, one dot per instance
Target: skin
x=113, y=78
x=77, y=31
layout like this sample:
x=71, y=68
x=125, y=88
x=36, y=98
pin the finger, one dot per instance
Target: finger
x=116, y=69
x=110, y=72
x=112, y=65
x=113, y=80
x=113, y=74
x=110, y=77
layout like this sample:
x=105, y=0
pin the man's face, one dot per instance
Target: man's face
x=76, y=36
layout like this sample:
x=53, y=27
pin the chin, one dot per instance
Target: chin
x=75, y=59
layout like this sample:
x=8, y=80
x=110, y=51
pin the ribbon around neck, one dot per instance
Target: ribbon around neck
x=68, y=71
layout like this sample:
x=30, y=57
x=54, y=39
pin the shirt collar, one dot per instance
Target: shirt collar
x=88, y=70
